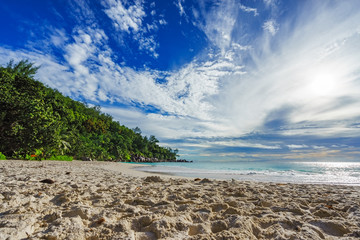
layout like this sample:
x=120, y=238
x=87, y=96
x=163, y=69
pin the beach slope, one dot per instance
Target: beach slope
x=102, y=200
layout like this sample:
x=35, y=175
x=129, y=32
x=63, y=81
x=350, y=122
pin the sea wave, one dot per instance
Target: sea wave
x=314, y=173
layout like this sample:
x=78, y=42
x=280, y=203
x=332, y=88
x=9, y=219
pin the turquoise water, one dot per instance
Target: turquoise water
x=344, y=173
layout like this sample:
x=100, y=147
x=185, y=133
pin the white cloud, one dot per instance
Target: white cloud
x=125, y=116
x=294, y=146
x=162, y=126
x=223, y=23
x=271, y=26
x=129, y=19
x=126, y=18
x=319, y=147
x=244, y=144
x=58, y=37
x=249, y=10
x=219, y=23
x=81, y=11
x=269, y=2
x=148, y=44
x=90, y=72
x=162, y=22
x=84, y=49
x=180, y=7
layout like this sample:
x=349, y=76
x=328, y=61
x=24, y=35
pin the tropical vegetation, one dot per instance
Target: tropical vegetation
x=38, y=122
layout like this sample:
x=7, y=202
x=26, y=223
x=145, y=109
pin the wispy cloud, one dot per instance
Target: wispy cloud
x=180, y=7
x=294, y=146
x=271, y=26
x=219, y=23
x=269, y=2
x=58, y=38
x=300, y=74
x=249, y=9
x=81, y=11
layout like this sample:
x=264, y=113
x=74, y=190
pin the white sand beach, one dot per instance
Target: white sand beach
x=104, y=200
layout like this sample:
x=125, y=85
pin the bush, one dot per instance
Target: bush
x=2, y=156
x=39, y=155
x=61, y=158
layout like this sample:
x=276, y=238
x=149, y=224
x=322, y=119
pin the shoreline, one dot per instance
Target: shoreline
x=105, y=200
x=131, y=170
x=221, y=176
x=328, y=173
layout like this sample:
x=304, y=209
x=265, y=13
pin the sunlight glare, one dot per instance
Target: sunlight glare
x=323, y=83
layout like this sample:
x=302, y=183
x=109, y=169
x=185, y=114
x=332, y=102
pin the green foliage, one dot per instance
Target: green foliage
x=61, y=158
x=2, y=156
x=36, y=155
x=23, y=68
x=33, y=116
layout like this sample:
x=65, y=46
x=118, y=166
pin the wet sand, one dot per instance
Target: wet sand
x=102, y=200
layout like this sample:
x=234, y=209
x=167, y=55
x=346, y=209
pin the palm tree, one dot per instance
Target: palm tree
x=24, y=68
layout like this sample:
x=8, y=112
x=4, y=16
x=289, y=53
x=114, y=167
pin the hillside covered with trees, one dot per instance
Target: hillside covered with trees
x=39, y=122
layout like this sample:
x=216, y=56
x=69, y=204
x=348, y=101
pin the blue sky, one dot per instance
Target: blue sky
x=219, y=80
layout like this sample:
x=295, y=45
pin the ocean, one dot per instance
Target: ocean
x=338, y=173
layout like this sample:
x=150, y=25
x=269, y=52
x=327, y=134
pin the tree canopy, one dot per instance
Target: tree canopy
x=35, y=119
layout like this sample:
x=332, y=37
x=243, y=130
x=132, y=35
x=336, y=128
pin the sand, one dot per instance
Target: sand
x=97, y=200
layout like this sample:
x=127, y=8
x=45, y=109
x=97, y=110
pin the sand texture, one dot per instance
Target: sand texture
x=94, y=200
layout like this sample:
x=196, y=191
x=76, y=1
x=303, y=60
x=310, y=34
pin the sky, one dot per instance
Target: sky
x=221, y=80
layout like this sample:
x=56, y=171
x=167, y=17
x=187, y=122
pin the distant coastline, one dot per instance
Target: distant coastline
x=141, y=159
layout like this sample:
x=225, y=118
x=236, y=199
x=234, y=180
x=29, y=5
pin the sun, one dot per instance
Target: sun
x=322, y=85
x=323, y=81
